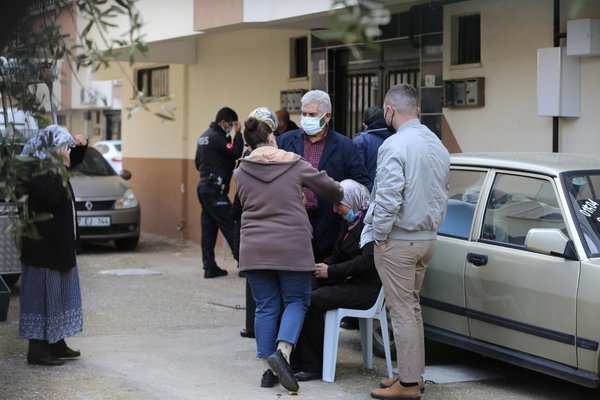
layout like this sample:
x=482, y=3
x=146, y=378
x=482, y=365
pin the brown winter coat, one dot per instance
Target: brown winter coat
x=276, y=233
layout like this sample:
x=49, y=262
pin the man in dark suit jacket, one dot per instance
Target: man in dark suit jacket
x=329, y=151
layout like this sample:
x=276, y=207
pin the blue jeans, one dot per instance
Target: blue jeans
x=270, y=289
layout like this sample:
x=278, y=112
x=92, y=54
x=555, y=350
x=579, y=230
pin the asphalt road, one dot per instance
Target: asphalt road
x=155, y=329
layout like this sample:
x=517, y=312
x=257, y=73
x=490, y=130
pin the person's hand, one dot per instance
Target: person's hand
x=80, y=140
x=381, y=244
x=64, y=152
x=321, y=271
x=237, y=127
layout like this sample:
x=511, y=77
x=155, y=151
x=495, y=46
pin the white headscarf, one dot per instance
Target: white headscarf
x=356, y=196
x=49, y=137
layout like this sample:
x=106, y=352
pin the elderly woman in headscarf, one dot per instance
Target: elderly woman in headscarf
x=50, y=293
x=345, y=279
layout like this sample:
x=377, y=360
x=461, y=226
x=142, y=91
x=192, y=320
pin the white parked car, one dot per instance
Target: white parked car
x=111, y=151
x=516, y=270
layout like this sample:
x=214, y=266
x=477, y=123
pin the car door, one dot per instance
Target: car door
x=516, y=298
x=443, y=291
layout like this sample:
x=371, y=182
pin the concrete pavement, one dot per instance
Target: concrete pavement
x=161, y=331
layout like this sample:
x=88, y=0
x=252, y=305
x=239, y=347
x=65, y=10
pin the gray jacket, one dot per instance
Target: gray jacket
x=276, y=233
x=410, y=194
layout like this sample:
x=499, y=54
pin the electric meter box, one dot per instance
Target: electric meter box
x=467, y=92
x=583, y=37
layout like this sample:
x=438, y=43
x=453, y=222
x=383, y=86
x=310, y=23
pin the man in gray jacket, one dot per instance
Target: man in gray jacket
x=408, y=204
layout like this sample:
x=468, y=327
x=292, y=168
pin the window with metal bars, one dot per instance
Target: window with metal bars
x=362, y=89
x=153, y=82
x=467, y=39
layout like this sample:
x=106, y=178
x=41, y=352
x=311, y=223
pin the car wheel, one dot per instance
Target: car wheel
x=11, y=279
x=378, y=347
x=127, y=244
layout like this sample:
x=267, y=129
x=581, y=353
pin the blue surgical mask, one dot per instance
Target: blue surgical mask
x=349, y=215
x=228, y=128
x=312, y=125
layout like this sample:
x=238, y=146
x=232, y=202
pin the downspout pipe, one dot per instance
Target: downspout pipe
x=557, y=36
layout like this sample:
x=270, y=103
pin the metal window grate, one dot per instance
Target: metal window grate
x=298, y=57
x=362, y=93
x=153, y=82
x=395, y=77
x=469, y=39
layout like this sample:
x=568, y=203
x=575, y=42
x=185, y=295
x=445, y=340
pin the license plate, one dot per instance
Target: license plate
x=93, y=221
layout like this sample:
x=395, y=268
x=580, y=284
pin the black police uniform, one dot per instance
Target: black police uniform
x=215, y=159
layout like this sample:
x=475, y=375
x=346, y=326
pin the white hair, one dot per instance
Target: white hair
x=317, y=96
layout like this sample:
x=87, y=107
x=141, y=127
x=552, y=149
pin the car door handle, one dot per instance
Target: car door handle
x=477, y=259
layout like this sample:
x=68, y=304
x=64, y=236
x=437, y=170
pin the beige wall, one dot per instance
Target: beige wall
x=241, y=70
x=511, y=33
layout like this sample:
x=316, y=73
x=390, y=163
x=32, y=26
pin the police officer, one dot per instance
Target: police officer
x=216, y=154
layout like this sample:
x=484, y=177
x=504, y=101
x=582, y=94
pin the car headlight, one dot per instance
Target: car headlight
x=127, y=201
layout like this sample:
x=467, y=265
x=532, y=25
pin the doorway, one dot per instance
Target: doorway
x=360, y=84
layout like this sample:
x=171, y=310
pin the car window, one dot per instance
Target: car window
x=102, y=148
x=517, y=204
x=463, y=194
x=94, y=164
x=583, y=191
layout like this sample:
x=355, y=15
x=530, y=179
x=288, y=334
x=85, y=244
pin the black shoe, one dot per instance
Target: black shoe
x=245, y=333
x=304, y=376
x=61, y=350
x=268, y=379
x=214, y=273
x=39, y=353
x=48, y=361
x=349, y=323
x=242, y=274
x=284, y=372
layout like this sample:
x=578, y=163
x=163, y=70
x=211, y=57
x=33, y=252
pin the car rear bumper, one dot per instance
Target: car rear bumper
x=123, y=224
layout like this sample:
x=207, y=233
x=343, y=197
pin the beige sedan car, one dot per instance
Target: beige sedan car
x=516, y=270
x=107, y=208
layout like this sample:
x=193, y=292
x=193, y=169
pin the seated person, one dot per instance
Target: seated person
x=345, y=279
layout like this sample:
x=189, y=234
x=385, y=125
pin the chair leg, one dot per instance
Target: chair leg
x=330, y=345
x=386, y=343
x=366, y=341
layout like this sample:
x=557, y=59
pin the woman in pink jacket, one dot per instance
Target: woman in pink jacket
x=275, y=246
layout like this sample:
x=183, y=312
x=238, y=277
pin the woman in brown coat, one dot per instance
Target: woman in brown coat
x=275, y=245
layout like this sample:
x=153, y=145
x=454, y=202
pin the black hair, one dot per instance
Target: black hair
x=226, y=114
x=285, y=114
x=256, y=133
x=372, y=114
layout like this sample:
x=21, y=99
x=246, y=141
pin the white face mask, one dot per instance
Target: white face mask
x=312, y=125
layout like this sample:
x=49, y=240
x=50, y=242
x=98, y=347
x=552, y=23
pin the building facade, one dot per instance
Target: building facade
x=482, y=85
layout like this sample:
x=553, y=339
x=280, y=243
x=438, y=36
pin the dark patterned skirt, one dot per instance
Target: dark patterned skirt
x=50, y=304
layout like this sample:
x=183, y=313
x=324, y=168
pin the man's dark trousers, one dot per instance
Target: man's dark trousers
x=216, y=214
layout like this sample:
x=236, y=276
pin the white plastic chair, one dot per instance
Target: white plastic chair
x=365, y=320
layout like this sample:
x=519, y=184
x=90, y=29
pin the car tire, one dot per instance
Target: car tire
x=11, y=279
x=127, y=244
x=378, y=347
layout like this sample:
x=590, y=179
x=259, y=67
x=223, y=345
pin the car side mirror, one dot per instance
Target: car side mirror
x=551, y=242
x=125, y=174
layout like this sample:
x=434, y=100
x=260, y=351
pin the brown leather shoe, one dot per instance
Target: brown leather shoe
x=397, y=392
x=387, y=382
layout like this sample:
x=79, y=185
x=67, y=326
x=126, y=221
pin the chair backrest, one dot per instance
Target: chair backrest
x=380, y=302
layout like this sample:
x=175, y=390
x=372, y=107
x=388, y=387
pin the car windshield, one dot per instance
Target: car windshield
x=94, y=164
x=583, y=191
